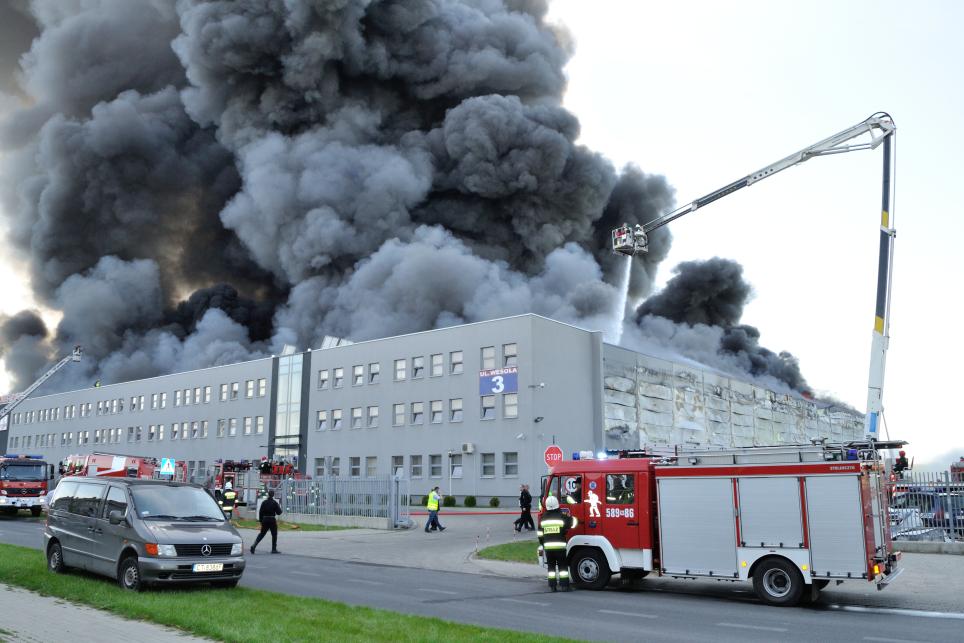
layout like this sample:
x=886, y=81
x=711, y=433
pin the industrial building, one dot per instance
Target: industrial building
x=470, y=408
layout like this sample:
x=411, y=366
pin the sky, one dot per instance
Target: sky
x=706, y=92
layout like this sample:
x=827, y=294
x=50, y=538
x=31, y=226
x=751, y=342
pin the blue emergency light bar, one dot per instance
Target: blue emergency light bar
x=22, y=456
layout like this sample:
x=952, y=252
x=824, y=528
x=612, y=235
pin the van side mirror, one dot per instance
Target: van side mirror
x=116, y=517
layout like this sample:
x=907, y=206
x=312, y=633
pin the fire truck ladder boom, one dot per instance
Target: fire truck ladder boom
x=882, y=130
x=73, y=357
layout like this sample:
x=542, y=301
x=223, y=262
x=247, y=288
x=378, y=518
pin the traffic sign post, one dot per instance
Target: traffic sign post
x=553, y=455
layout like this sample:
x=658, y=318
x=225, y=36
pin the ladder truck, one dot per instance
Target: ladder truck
x=881, y=130
x=20, y=397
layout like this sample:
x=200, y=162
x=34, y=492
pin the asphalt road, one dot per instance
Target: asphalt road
x=730, y=614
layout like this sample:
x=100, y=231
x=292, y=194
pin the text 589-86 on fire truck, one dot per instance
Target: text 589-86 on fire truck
x=791, y=519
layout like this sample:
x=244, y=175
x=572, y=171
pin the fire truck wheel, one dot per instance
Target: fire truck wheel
x=821, y=583
x=35, y=511
x=777, y=582
x=589, y=569
x=129, y=575
x=55, y=558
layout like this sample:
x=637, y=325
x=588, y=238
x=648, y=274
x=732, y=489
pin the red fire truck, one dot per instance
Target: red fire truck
x=118, y=466
x=792, y=519
x=24, y=481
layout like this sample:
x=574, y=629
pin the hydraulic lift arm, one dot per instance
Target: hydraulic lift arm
x=881, y=130
x=8, y=409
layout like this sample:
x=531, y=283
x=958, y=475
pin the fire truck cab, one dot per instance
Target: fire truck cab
x=791, y=519
x=24, y=483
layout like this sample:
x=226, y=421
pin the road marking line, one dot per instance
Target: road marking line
x=896, y=611
x=636, y=614
x=437, y=591
x=762, y=628
x=519, y=600
x=885, y=640
x=366, y=582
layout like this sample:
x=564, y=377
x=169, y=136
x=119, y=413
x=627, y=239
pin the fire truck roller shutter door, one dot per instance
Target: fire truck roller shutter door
x=697, y=526
x=836, y=529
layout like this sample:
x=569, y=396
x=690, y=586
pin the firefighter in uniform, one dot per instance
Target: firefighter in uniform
x=553, y=527
x=228, y=500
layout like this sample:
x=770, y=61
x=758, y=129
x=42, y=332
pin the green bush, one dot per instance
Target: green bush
x=493, y=502
x=470, y=501
x=449, y=501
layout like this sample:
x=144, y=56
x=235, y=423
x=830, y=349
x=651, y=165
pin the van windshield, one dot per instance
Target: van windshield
x=23, y=472
x=161, y=502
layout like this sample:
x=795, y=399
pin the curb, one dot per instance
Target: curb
x=924, y=547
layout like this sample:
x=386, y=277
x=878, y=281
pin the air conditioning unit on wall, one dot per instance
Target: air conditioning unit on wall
x=468, y=447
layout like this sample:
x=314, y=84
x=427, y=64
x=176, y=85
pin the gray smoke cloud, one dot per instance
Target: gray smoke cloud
x=200, y=182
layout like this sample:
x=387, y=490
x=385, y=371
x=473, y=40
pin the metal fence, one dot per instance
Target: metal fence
x=927, y=506
x=328, y=498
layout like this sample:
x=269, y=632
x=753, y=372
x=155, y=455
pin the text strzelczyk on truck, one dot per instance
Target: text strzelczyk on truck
x=791, y=519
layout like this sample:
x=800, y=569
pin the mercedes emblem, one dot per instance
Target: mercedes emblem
x=205, y=550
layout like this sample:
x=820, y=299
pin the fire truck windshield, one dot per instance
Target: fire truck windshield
x=164, y=502
x=23, y=472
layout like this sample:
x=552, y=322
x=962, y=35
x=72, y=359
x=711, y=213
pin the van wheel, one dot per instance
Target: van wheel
x=35, y=511
x=588, y=568
x=129, y=575
x=777, y=582
x=55, y=558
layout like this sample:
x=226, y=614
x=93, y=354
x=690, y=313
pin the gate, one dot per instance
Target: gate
x=328, y=499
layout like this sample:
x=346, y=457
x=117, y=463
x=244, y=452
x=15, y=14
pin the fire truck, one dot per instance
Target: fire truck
x=119, y=466
x=790, y=518
x=24, y=481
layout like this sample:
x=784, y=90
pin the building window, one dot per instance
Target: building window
x=249, y=389
x=336, y=419
x=374, y=371
x=224, y=392
x=510, y=405
x=322, y=423
x=398, y=466
x=187, y=397
x=435, y=465
x=437, y=365
x=372, y=417
x=418, y=367
x=357, y=375
x=510, y=463
x=455, y=410
x=399, y=370
x=455, y=362
x=339, y=377
x=154, y=401
x=133, y=403
x=258, y=425
x=184, y=429
x=510, y=354
x=371, y=466
x=488, y=357
x=435, y=407
x=323, y=379
x=356, y=417
x=335, y=467
x=204, y=429
x=319, y=467
x=207, y=394
x=262, y=387
x=234, y=390
x=488, y=465
x=247, y=426
x=455, y=465
x=232, y=427
x=177, y=398
x=130, y=435
x=418, y=412
x=195, y=430
x=221, y=424
x=398, y=418
x=488, y=407
x=197, y=396
x=163, y=402
x=354, y=466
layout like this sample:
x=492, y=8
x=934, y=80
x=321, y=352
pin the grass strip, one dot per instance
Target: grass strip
x=241, y=614
x=518, y=551
x=246, y=523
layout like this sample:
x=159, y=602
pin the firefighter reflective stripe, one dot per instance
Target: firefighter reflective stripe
x=551, y=576
x=539, y=534
x=553, y=521
x=563, y=573
x=554, y=545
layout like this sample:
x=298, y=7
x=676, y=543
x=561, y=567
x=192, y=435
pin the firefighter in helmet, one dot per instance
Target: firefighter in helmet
x=553, y=527
x=228, y=500
x=901, y=464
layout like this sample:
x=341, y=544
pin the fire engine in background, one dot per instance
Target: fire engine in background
x=24, y=481
x=792, y=519
x=119, y=466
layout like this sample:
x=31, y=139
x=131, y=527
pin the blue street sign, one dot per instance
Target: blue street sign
x=499, y=380
x=167, y=466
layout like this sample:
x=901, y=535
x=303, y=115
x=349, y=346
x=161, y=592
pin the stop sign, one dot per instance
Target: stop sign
x=553, y=455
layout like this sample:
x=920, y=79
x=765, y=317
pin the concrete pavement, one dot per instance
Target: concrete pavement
x=32, y=618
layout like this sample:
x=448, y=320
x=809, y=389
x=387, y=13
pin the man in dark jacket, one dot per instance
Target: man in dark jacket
x=266, y=516
x=525, y=505
x=553, y=528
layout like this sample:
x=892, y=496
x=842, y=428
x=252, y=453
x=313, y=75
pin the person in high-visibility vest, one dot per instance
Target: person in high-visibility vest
x=228, y=500
x=432, y=505
x=553, y=527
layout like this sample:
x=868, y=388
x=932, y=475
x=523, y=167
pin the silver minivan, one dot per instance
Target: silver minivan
x=141, y=532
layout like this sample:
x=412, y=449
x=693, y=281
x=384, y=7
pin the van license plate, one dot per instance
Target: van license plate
x=208, y=567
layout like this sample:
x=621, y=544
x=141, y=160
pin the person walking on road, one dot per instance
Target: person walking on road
x=525, y=505
x=267, y=517
x=553, y=527
x=432, y=505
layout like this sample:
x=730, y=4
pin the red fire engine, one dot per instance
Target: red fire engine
x=118, y=466
x=24, y=481
x=792, y=518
